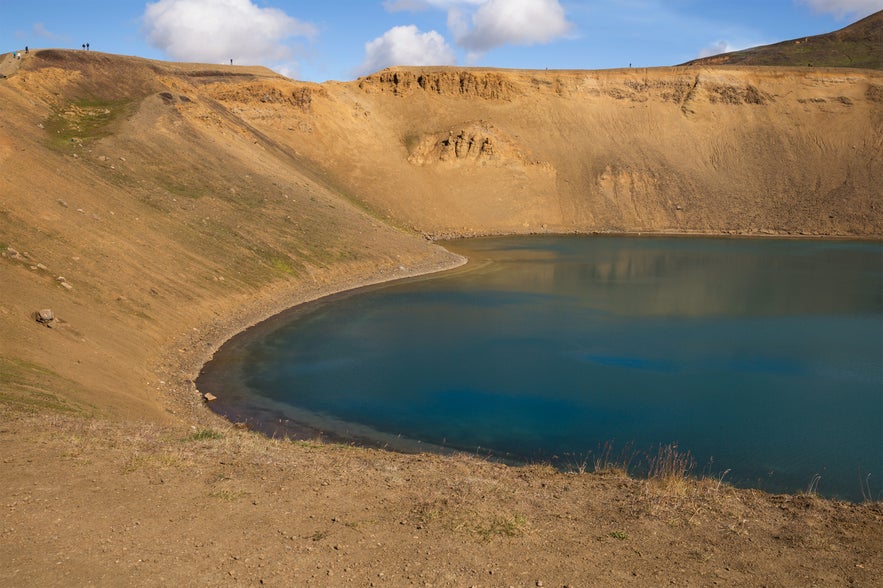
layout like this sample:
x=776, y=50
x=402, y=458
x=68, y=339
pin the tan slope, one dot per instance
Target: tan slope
x=164, y=213
x=180, y=202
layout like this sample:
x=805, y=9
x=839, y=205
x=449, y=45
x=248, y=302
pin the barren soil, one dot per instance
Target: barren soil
x=157, y=209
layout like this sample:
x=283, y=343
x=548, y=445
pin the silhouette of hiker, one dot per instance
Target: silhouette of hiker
x=26, y=50
x=84, y=46
x=231, y=62
x=87, y=46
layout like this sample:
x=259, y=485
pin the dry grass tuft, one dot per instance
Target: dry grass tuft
x=671, y=469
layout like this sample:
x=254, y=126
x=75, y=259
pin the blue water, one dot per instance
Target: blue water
x=762, y=358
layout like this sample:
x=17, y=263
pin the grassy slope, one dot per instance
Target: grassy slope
x=857, y=45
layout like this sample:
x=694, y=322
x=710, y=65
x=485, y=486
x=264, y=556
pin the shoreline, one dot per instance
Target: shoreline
x=220, y=331
x=179, y=365
x=251, y=316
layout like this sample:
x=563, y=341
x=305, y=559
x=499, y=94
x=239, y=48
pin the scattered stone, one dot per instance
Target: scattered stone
x=40, y=266
x=209, y=397
x=62, y=202
x=46, y=317
x=67, y=286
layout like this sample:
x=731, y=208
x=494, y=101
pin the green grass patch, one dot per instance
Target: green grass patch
x=513, y=526
x=283, y=265
x=85, y=120
x=181, y=190
x=306, y=444
x=228, y=495
x=205, y=435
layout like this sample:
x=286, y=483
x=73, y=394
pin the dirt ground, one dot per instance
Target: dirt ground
x=87, y=502
x=158, y=209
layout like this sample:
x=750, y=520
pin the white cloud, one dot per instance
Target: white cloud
x=405, y=5
x=718, y=48
x=420, y=5
x=843, y=8
x=219, y=30
x=481, y=25
x=516, y=22
x=40, y=30
x=406, y=45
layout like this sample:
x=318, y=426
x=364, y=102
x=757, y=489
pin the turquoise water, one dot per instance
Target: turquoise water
x=762, y=358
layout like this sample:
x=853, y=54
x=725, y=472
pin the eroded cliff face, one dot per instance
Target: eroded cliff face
x=477, y=84
x=449, y=151
x=727, y=150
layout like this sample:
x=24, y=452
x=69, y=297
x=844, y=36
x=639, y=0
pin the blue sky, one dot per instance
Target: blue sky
x=341, y=40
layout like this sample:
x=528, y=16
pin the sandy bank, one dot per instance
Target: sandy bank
x=181, y=362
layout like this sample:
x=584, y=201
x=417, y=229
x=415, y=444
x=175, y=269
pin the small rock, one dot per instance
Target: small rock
x=209, y=397
x=44, y=316
x=62, y=202
x=67, y=286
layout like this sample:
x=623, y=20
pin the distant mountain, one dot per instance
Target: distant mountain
x=858, y=45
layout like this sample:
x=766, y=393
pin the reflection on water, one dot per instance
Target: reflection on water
x=759, y=356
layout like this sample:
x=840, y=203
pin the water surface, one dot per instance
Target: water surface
x=761, y=357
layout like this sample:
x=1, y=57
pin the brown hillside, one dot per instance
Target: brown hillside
x=159, y=208
x=857, y=45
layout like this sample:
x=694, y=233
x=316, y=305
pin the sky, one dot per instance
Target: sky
x=342, y=40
